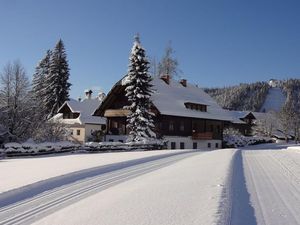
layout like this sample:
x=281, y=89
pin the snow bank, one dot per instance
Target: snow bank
x=241, y=141
x=15, y=173
x=187, y=192
x=294, y=148
x=33, y=148
x=142, y=145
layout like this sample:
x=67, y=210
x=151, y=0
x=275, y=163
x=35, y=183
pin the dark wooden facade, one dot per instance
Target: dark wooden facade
x=67, y=113
x=198, y=129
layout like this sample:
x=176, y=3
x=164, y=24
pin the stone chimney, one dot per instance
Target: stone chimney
x=166, y=78
x=183, y=82
x=88, y=94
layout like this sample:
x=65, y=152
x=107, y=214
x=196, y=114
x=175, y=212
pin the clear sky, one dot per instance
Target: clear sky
x=217, y=42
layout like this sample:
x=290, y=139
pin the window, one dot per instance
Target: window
x=71, y=132
x=173, y=145
x=195, y=145
x=212, y=128
x=111, y=140
x=78, y=132
x=115, y=124
x=181, y=145
x=196, y=106
x=181, y=128
x=121, y=141
x=171, y=126
x=209, y=145
x=217, y=145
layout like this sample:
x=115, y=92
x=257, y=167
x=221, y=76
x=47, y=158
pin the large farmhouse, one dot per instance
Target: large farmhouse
x=185, y=115
x=77, y=115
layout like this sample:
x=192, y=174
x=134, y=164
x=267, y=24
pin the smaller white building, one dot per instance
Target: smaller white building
x=77, y=115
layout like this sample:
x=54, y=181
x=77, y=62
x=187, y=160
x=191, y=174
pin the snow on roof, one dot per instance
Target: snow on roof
x=86, y=108
x=263, y=116
x=169, y=99
x=238, y=115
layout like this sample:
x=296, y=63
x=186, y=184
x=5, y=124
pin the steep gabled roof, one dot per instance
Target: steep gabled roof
x=86, y=108
x=238, y=115
x=170, y=99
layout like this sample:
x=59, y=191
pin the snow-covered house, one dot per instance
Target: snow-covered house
x=242, y=121
x=185, y=115
x=77, y=115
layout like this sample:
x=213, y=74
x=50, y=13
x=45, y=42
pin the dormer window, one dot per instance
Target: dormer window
x=196, y=106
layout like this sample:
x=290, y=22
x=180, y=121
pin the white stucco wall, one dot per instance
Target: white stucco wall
x=188, y=142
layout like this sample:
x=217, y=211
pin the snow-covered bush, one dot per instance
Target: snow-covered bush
x=142, y=145
x=38, y=148
x=233, y=138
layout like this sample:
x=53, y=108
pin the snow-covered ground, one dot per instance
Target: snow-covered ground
x=254, y=185
x=273, y=181
x=15, y=173
x=187, y=192
x=274, y=100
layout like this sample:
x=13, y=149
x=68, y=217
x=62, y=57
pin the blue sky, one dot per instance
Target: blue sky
x=217, y=43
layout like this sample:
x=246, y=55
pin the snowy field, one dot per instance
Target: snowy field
x=250, y=186
x=15, y=173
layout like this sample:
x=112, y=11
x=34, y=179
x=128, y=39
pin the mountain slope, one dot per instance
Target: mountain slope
x=259, y=96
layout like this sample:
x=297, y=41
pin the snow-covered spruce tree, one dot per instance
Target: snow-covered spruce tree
x=57, y=81
x=138, y=91
x=39, y=84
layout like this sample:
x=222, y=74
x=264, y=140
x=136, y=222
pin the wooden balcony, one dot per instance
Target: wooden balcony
x=116, y=112
x=202, y=136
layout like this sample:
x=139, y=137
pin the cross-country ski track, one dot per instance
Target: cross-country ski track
x=249, y=186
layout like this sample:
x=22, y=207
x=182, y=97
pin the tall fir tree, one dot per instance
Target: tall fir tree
x=39, y=82
x=57, y=81
x=138, y=91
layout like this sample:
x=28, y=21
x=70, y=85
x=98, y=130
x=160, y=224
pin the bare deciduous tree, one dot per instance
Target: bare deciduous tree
x=14, y=99
x=168, y=64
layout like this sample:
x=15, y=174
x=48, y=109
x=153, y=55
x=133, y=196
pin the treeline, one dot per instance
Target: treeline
x=26, y=107
x=291, y=87
x=241, y=97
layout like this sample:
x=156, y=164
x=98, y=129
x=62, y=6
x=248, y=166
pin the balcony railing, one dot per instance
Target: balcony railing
x=202, y=136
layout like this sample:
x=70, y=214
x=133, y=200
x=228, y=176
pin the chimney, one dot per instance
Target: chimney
x=183, y=82
x=101, y=96
x=166, y=78
x=88, y=94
